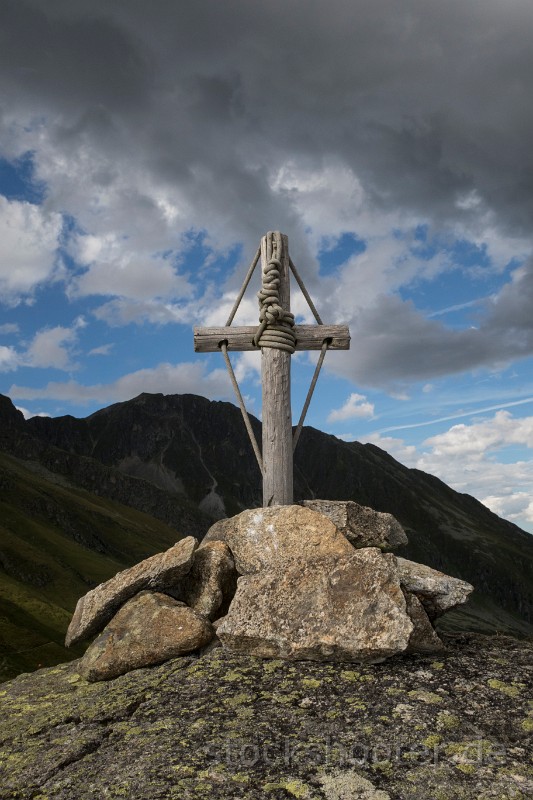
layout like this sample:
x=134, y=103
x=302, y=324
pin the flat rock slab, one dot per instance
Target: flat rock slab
x=362, y=526
x=227, y=726
x=262, y=537
x=211, y=583
x=436, y=591
x=149, y=629
x=95, y=609
x=343, y=607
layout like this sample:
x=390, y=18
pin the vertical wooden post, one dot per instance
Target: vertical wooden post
x=276, y=381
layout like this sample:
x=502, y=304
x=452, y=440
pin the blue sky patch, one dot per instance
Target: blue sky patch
x=18, y=182
x=331, y=257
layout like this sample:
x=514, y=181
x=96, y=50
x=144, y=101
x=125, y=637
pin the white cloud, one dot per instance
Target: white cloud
x=355, y=406
x=468, y=458
x=49, y=348
x=165, y=378
x=476, y=439
x=9, y=359
x=52, y=347
x=247, y=365
x=103, y=350
x=405, y=453
x=328, y=196
x=124, y=311
x=133, y=275
x=29, y=238
x=516, y=506
x=9, y=327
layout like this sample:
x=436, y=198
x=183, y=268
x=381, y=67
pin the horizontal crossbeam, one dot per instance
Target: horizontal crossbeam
x=308, y=337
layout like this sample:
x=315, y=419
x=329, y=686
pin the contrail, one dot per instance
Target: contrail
x=458, y=416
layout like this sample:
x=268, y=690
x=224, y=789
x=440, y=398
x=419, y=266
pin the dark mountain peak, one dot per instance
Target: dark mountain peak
x=10, y=417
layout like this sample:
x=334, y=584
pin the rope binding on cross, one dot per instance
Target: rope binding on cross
x=276, y=326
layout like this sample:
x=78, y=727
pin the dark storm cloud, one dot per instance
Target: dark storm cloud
x=427, y=103
x=67, y=61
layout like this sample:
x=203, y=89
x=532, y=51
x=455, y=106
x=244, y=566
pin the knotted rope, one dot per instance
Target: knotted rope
x=276, y=326
x=276, y=330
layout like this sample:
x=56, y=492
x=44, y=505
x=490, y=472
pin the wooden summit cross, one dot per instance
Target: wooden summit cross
x=278, y=337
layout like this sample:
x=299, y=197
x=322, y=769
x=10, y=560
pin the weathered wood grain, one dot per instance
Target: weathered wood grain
x=276, y=384
x=277, y=458
x=239, y=338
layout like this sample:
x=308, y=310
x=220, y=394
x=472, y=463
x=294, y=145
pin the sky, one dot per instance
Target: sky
x=145, y=148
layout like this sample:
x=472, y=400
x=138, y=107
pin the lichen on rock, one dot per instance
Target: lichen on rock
x=226, y=726
x=150, y=628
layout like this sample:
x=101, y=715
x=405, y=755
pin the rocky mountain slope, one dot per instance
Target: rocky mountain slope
x=75, y=495
x=199, y=450
x=56, y=542
x=456, y=727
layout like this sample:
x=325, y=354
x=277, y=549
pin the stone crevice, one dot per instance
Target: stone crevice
x=84, y=749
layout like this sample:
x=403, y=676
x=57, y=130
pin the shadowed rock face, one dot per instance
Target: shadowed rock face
x=362, y=526
x=436, y=591
x=211, y=582
x=149, y=629
x=424, y=638
x=417, y=727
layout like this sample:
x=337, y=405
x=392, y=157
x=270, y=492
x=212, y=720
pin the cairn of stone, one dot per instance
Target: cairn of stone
x=315, y=581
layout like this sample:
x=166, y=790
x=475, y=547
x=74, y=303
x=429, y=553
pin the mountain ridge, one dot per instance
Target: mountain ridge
x=187, y=461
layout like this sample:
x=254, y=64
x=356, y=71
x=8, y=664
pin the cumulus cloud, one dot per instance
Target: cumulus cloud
x=9, y=358
x=112, y=269
x=397, y=344
x=29, y=238
x=166, y=378
x=476, y=439
x=54, y=347
x=51, y=348
x=355, y=406
x=467, y=458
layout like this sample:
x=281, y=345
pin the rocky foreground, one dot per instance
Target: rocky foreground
x=454, y=726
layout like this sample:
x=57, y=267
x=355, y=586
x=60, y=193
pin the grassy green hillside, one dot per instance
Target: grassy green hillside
x=56, y=542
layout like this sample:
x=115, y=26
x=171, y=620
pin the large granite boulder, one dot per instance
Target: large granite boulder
x=149, y=629
x=159, y=572
x=339, y=607
x=211, y=582
x=436, y=591
x=305, y=592
x=262, y=537
x=362, y=526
